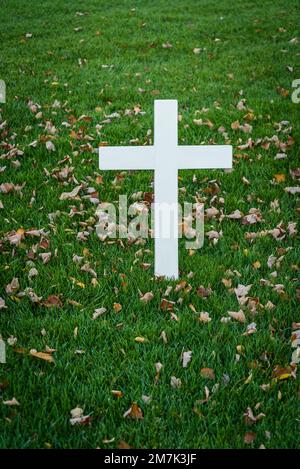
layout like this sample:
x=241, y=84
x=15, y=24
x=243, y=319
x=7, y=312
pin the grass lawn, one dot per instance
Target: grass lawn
x=83, y=74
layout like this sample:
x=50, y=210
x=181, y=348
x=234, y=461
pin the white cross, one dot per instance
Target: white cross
x=165, y=157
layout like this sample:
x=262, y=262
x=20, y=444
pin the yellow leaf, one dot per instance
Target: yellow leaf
x=73, y=302
x=279, y=177
x=77, y=282
x=15, y=298
x=42, y=355
x=282, y=373
x=140, y=340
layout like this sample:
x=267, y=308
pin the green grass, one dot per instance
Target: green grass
x=254, y=47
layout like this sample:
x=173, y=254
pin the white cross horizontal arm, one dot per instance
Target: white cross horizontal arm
x=123, y=158
x=204, y=157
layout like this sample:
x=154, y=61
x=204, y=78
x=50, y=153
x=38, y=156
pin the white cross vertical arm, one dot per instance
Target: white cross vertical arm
x=166, y=188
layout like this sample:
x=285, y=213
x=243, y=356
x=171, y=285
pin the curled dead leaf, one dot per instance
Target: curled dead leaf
x=2, y=304
x=146, y=297
x=238, y=316
x=204, y=317
x=186, y=358
x=72, y=194
x=42, y=355
x=11, y=402
x=204, y=292
x=282, y=373
x=167, y=305
x=53, y=301
x=175, y=382
x=134, y=412
x=98, y=312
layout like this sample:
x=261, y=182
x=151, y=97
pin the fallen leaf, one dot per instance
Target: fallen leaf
x=204, y=317
x=53, y=301
x=238, y=316
x=163, y=337
x=251, y=329
x=207, y=373
x=134, y=412
x=249, y=437
x=242, y=290
x=140, y=340
x=50, y=146
x=204, y=292
x=123, y=445
x=146, y=399
x=147, y=297
x=175, y=382
x=12, y=341
x=282, y=373
x=98, y=312
x=250, y=418
x=279, y=177
x=76, y=412
x=292, y=190
x=227, y=282
x=296, y=356
x=15, y=237
x=6, y=187
x=282, y=91
x=180, y=286
x=2, y=304
x=11, y=402
x=235, y=125
x=13, y=286
x=77, y=282
x=32, y=273
x=45, y=256
x=108, y=441
x=84, y=420
x=236, y=215
x=186, y=358
x=42, y=355
x=167, y=305
x=72, y=194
